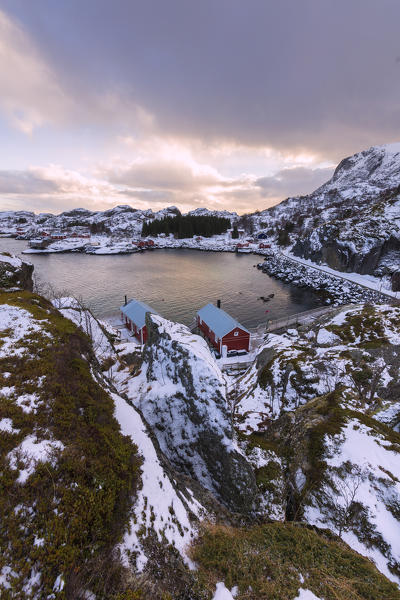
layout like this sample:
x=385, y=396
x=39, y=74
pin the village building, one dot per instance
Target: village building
x=222, y=330
x=133, y=314
x=143, y=243
x=243, y=247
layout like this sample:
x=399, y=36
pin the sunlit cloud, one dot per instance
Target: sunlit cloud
x=154, y=107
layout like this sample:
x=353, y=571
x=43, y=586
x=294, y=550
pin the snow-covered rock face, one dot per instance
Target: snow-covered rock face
x=292, y=369
x=325, y=399
x=15, y=274
x=182, y=395
x=359, y=498
x=343, y=472
x=357, y=227
x=352, y=222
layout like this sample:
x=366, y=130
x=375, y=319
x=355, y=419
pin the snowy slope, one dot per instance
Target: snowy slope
x=162, y=508
x=304, y=363
x=360, y=496
x=325, y=399
x=182, y=394
x=352, y=222
x=358, y=181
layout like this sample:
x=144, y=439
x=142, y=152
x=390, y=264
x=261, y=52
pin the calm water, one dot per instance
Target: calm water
x=175, y=282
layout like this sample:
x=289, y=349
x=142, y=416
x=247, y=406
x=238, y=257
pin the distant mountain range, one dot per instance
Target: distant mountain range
x=120, y=220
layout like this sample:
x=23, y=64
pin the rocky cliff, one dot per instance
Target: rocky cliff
x=182, y=395
x=352, y=222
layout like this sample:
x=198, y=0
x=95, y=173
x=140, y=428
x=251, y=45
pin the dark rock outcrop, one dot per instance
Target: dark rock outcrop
x=15, y=274
x=325, y=246
x=396, y=281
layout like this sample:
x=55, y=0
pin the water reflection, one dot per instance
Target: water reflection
x=175, y=282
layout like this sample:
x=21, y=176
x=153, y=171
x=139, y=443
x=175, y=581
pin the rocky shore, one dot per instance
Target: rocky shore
x=333, y=289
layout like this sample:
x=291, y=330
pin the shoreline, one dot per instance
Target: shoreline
x=281, y=265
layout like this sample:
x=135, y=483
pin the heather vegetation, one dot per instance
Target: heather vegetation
x=273, y=561
x=62, y=510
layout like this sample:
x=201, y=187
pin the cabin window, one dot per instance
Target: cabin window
x=236, y=333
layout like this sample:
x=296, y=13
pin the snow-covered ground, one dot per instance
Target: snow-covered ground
x=362, y=461
x=181, y=392
x=363, y=468
x=159, y=508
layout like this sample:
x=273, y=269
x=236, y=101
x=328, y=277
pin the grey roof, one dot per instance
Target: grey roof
x=218, y=320
x=136, y=312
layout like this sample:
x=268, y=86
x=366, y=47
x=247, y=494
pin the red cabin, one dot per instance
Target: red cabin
x=262, y=245
x=222, y=330
x=133, y=314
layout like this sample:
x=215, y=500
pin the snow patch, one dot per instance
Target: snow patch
x=222, y=592
x=29, y=452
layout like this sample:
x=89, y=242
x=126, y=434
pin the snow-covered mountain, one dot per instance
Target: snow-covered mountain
x=121, y=220
x=360, y=180
x=352, y=222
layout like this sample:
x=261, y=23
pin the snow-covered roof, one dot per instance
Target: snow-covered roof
x=136, y=312
x=218, y=320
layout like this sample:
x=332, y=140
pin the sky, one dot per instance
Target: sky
x=224, y=104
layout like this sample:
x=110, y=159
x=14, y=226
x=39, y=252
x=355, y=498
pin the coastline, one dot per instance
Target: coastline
x=336, y=287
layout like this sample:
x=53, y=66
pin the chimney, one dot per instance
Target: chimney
x=126, y=300
x=218, y=303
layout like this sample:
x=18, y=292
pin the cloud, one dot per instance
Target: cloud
x=25, y=182
x=30, y=92
x=294, y=181
x=35, y=92
x=163, y=174
x=312, y=75
x=216, y=103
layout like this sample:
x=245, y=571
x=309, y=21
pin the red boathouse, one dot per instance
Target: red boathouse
x=222, y=330
x=133, y=314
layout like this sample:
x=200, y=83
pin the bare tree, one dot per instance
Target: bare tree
x=366, y=376
x=339, y=496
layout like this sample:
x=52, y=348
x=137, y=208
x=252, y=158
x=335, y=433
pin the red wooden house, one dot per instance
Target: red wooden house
x=144, y=243
x=133, y=314
x=222, y=330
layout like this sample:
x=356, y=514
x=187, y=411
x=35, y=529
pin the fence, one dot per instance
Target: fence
x=303, y=317
x=238, y=366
